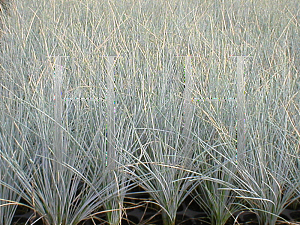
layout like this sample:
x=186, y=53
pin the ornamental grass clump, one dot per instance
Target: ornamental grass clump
x=61, y=192
x=163, y=157
x=266, y=177
x=214, y=132
x=55, y=178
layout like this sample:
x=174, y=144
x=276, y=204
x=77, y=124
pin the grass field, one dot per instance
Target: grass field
x=165, y=113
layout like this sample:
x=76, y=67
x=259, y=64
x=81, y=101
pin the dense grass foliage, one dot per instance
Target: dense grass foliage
x=141, y=127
